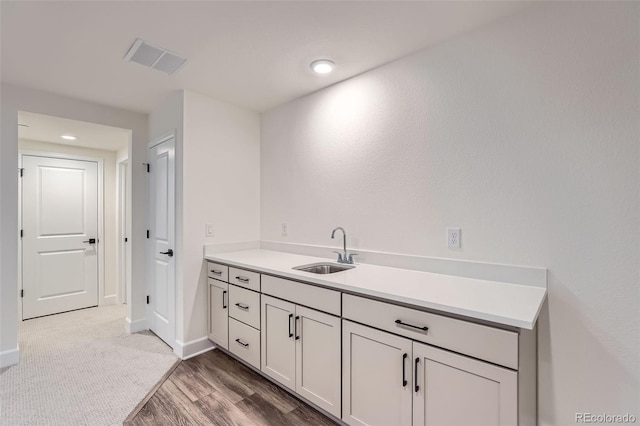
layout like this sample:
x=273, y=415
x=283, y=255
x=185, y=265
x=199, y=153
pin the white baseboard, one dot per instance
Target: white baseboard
x=186, y=350
x=514, y=274
x=10, y=357
x=135, y=326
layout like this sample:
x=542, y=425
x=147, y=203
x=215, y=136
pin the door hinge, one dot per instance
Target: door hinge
x=22, y=293
x=147, y=233
x=126, y=239
x=147, y=300
x=21, y=233
x=21, y=172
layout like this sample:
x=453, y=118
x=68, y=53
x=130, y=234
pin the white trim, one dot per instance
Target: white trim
x=135, y=326
x=193, y=348
x=523, y=275
x=161, y=139
x=10, y=357
x=99, y=247
x=123, y=255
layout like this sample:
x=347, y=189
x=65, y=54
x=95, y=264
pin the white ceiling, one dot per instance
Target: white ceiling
x=45, y=128
x=255, y=54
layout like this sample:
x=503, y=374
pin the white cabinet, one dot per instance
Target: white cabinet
x=376, y=377
x=390, y=380
x=278, y=341
x=301, y=350
x=455, y=390
x=218, y=327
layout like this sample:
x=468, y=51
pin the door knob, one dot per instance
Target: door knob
x=168, y=252
x=90, y=241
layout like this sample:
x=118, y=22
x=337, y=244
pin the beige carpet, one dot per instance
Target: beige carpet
x=80, y=368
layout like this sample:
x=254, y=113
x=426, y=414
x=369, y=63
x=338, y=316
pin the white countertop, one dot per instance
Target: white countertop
x=498, y=302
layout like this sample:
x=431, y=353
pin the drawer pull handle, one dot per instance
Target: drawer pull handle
x=224, y=293
x=290, y=317
x=296, y=328
x=243, y=279
x=243, y=307
x=214, y=272
x=240, y=342
x=404, y=372
x=404, y=324
x=416, y=374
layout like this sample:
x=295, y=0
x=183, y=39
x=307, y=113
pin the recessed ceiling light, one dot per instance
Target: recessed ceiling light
x=323, y=66
x=69, y=137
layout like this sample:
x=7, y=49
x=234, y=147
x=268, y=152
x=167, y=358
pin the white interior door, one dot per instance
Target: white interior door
x=60, y=216
x=161, y=286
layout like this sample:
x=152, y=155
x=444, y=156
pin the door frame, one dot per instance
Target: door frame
x=100, y=236
x=149, y=249
x=124, y=255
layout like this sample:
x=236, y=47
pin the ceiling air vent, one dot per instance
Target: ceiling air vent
x=157, y=58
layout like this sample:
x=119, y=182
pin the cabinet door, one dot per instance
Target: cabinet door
x=218, y=313
x=376, y=377
x=454, y=390
x=318, y=359
x=278, y=341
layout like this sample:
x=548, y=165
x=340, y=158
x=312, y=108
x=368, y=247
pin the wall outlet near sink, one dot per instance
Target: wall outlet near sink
x=453, y=238
x=284, y=229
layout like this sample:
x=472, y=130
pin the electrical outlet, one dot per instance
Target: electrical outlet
x=453, y=238
x=283, y=229
x=209, y=231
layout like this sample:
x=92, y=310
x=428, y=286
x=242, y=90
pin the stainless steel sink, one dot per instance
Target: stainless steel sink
x=323, y=268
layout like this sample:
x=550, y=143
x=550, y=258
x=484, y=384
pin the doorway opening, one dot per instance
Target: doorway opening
x=74, y=215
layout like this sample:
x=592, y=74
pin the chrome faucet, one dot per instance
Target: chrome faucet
x=343, y=257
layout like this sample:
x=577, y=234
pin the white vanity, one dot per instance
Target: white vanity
x=376, y=345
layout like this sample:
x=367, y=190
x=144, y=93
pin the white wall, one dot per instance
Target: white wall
x=524, y=134
x=217, y=181
x=15, y=98
x=110, y=234
x=221, y=186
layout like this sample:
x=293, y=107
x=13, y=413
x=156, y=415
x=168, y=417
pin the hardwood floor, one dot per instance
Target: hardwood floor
x=215, y=389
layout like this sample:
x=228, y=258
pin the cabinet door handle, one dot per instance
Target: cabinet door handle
x=416, y=374
x=214, y=272
x=243, y=279
x=240, y=342
x=404, y=370
x=424, y=330
x=242, y=306
x=290, y=317
x=224, y=293
x=296, y=328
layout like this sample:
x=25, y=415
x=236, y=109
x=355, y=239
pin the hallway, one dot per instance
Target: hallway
x=80, y=368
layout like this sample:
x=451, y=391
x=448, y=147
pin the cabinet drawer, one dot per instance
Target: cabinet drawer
x=244, y=305
x=318, y=298
x=218, y=271
x=244, y=341
x=244, y=278
x=479, y=341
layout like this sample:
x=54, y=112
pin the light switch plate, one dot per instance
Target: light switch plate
x=209, y=230
x=284, y=229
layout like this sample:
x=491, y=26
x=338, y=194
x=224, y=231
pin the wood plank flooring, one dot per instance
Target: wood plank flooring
x=215, y=389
